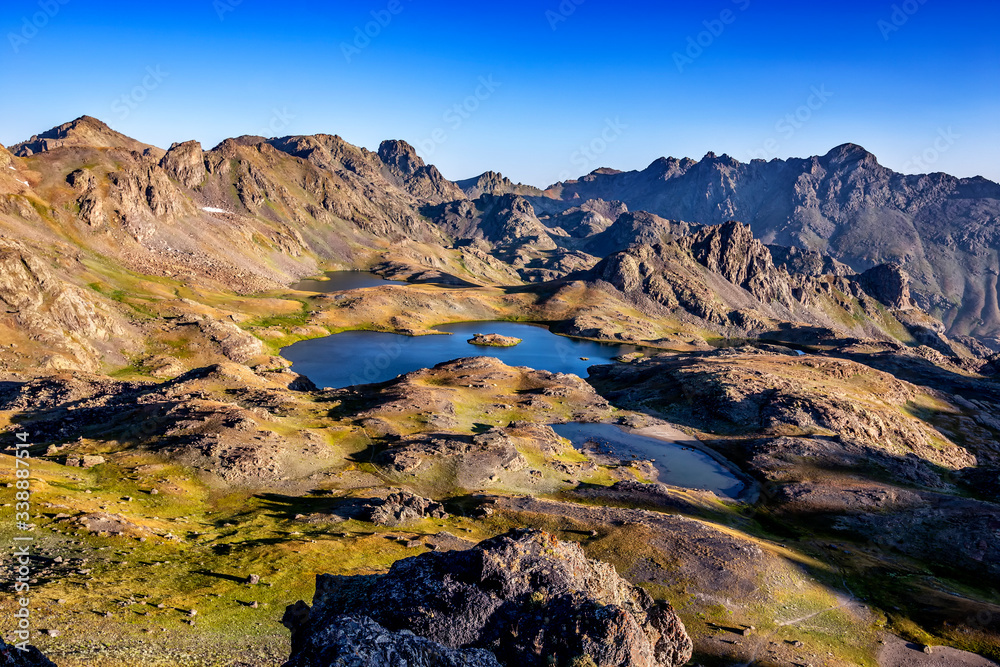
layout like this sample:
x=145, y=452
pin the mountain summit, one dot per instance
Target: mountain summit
x=85, y=131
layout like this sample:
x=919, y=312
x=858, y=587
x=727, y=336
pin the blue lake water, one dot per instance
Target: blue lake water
x=677, y=464
x=363, y=357
x=338, y=281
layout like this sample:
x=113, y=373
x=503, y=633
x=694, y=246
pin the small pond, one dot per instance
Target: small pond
x=678, y=464
x=339, y=281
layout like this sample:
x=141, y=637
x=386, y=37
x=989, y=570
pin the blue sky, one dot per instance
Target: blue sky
x=538, y=90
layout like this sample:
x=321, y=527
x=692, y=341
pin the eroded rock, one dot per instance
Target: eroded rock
x=525, y=596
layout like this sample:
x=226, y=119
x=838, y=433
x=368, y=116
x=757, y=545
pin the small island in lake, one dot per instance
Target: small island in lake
x=493, y=340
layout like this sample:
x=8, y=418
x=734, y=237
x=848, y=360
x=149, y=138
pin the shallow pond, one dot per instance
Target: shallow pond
x=678, y=465
x=339, y=281
x=363, y=357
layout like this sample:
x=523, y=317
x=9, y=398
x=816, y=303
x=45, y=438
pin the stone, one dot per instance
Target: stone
x=525, y=595
x=361, y=642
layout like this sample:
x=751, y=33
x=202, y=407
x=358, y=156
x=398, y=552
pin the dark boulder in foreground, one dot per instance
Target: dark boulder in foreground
x=11, y=656
x=348, y=641
x=526, y=597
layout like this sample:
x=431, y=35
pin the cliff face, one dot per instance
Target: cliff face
x=732, y=251
x=890, y=284
x=526, y=597
x=726, y=277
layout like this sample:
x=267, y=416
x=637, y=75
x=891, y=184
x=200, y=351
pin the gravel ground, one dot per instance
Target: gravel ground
x=901, y=653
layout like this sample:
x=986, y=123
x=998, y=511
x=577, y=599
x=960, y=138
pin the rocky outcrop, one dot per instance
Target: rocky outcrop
x=71, y=321
x=488, y=183
x=234, y=343
x=402, y=507
x=509, y=222
x=472, y=460
x=11, y=656
x=637, y=227
x=732, y=251
x=185, y=162
x=662, y=273
x=807, y=262
x=494, y=340
x=888, y=283
x=494, y=183
x=586, y=220
x=404, y=168
x=348, y=641
x=526, y=597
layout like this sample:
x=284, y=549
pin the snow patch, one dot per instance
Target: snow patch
x=214, y=210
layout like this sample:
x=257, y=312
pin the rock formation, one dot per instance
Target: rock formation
x=525, y=596
x=185, y=163
x=402, y=507
x=11, y=656
x=348, y=641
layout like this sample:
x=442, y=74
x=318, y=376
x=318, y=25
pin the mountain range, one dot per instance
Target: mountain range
x=82, y=203
x=944, y=231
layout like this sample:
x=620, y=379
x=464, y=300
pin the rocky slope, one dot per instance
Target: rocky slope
x=528, y=598
x=727, y=278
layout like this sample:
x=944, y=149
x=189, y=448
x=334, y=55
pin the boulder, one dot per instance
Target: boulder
x=525, y=596
x=11, y=656
x=347, y=641
x=402, y=507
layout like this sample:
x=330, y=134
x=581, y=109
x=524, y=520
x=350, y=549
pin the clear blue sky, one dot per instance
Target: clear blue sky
x=924, y=83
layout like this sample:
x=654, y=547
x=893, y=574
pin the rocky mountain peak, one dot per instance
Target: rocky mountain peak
x=185, y=162
x=487, y=183
x=668, y=167
x=85, y=131
x=849, y=153
x=731, y=250
x=401, y=155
